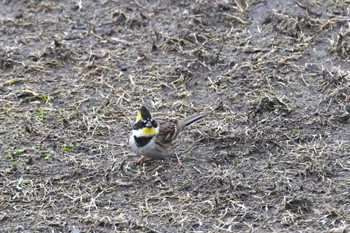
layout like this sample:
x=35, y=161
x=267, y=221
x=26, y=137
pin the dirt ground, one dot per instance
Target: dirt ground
x=273, y=155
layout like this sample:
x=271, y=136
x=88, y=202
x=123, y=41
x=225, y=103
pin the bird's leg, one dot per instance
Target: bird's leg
x=141, y=160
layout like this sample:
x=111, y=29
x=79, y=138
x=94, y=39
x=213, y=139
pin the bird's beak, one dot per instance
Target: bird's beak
x=149, y=124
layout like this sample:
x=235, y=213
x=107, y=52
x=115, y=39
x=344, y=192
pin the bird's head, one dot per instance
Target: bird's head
x=145, y=125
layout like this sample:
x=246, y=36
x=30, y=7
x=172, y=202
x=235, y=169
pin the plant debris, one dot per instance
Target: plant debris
x=271, y=156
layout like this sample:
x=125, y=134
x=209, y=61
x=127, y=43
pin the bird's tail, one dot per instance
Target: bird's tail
x=191, y=119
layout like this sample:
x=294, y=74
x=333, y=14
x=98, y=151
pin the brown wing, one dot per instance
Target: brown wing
x=168, y=131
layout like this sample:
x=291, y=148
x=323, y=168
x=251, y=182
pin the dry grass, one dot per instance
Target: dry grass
x=272, y=156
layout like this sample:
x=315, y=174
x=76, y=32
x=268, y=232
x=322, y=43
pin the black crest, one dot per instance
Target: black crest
x=146, y=115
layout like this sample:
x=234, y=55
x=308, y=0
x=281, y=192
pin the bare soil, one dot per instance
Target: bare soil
x=273, y=155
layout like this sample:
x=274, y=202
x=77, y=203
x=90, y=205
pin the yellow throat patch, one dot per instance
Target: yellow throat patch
x=148, y=131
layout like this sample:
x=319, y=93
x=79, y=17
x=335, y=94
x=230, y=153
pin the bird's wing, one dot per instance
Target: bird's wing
x=168, y=131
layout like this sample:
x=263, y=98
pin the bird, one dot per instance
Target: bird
x=156, y=138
